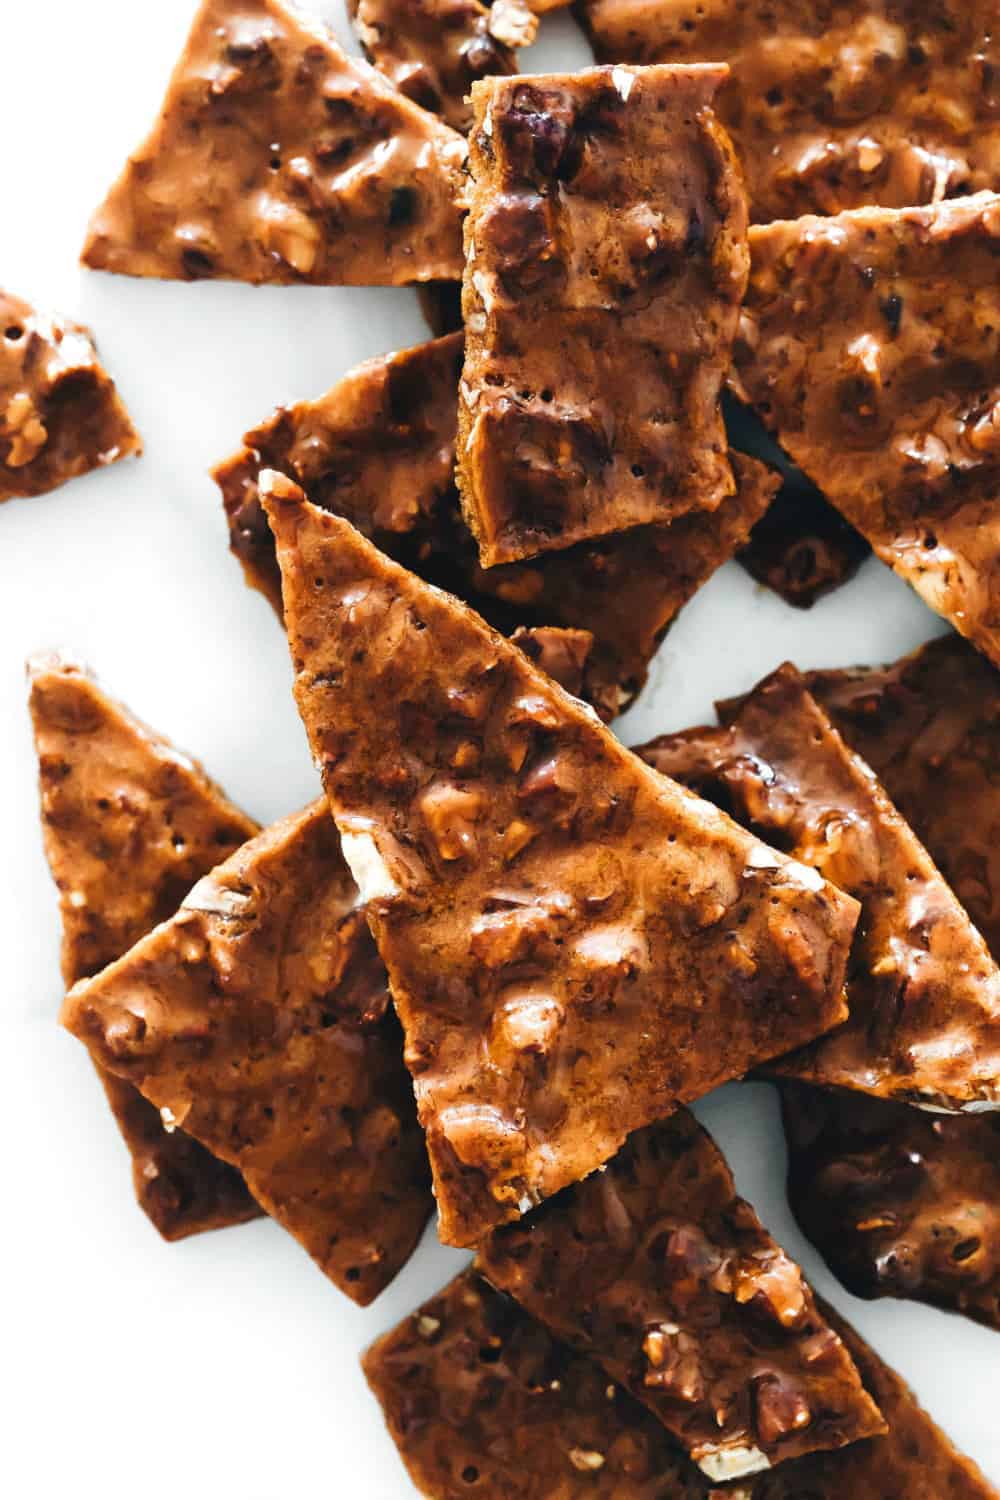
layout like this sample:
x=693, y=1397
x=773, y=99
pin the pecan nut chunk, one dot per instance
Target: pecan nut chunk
x=923, y=991
x=481, y=1399
x=606, y=259
x=278, y=158
x=258, y=1020
x=658, y=1271
x=835, y=104
x=129, y=824
x=379, y=449
x=898, y=1203
x=870, y=344
x=60, y=415
x=434, y=50
x=575, y=947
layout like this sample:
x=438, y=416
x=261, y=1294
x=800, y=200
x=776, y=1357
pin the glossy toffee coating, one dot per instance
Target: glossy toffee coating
x=278, y=158
x=870, y=344
x=485, y=1404
x=258, y=1019
x=379, y=448
x=834, y=104
x=659, y=1272
x=923, y=990
x=575, y=946
x=901, y=1204
x=129, y=825
x=605, y=263
x=60, y=415
x=434, y=50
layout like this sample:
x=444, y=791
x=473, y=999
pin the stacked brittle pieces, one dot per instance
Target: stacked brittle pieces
x=486, y=971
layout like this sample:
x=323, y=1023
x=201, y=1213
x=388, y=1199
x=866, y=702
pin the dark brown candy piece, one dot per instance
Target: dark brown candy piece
x=561, y=927
x=923, y=990
x=870, y=346
x=480, y=1399
x=605, y=263
x=379, y=448
x=278, y=158
x=60, y=415
x=658, y=1271
x=258, y=1020
x=801, y=547
x=835, y=104
x=129, y=825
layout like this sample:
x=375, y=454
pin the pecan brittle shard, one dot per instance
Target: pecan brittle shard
x=575, y=947
x=923, y=990
x=870, y=345
x=258, y=1020
x=129, y=824
x=659, y=1272
x=605, y=263
x=379, y=449
x=475, y=1392
x=278, y=158
x=60, y=414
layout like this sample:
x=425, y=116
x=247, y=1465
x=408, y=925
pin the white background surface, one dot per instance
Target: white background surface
x=225, y=1367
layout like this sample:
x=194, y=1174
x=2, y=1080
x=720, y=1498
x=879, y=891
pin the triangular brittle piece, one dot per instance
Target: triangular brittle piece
x=900, y=1203
x=923, y=990
x=657, y=1270
x=885, y=391
x=278, y=158
x=434, y=50
x=575, y=947
x=60, y=415
x=129, y=825
x=802, y=548
x=379, y=448
x=606, y=259
x=504, y=1406
x=833, y=106
x=258, y=1019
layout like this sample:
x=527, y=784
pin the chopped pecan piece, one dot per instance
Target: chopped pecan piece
x=605, y=263
x=129, y=824
x=493, y=1404
x=379, y=657
x=669, y=1281
x=278, y=158
x=258, y=1019
x=60, y=415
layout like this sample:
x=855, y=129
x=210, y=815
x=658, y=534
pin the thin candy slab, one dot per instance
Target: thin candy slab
x=575, y=947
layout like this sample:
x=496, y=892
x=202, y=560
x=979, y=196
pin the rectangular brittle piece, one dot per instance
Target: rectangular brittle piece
x=479, y=1398
x=258, y=1020
x=129, y=824
x=669, y=1281
x=575, y=946
x=834, y=104
x=379, y=449
x=923, y=990
x=60, y=414
x=277, y=158
x=605, y=264
x=870, y=345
